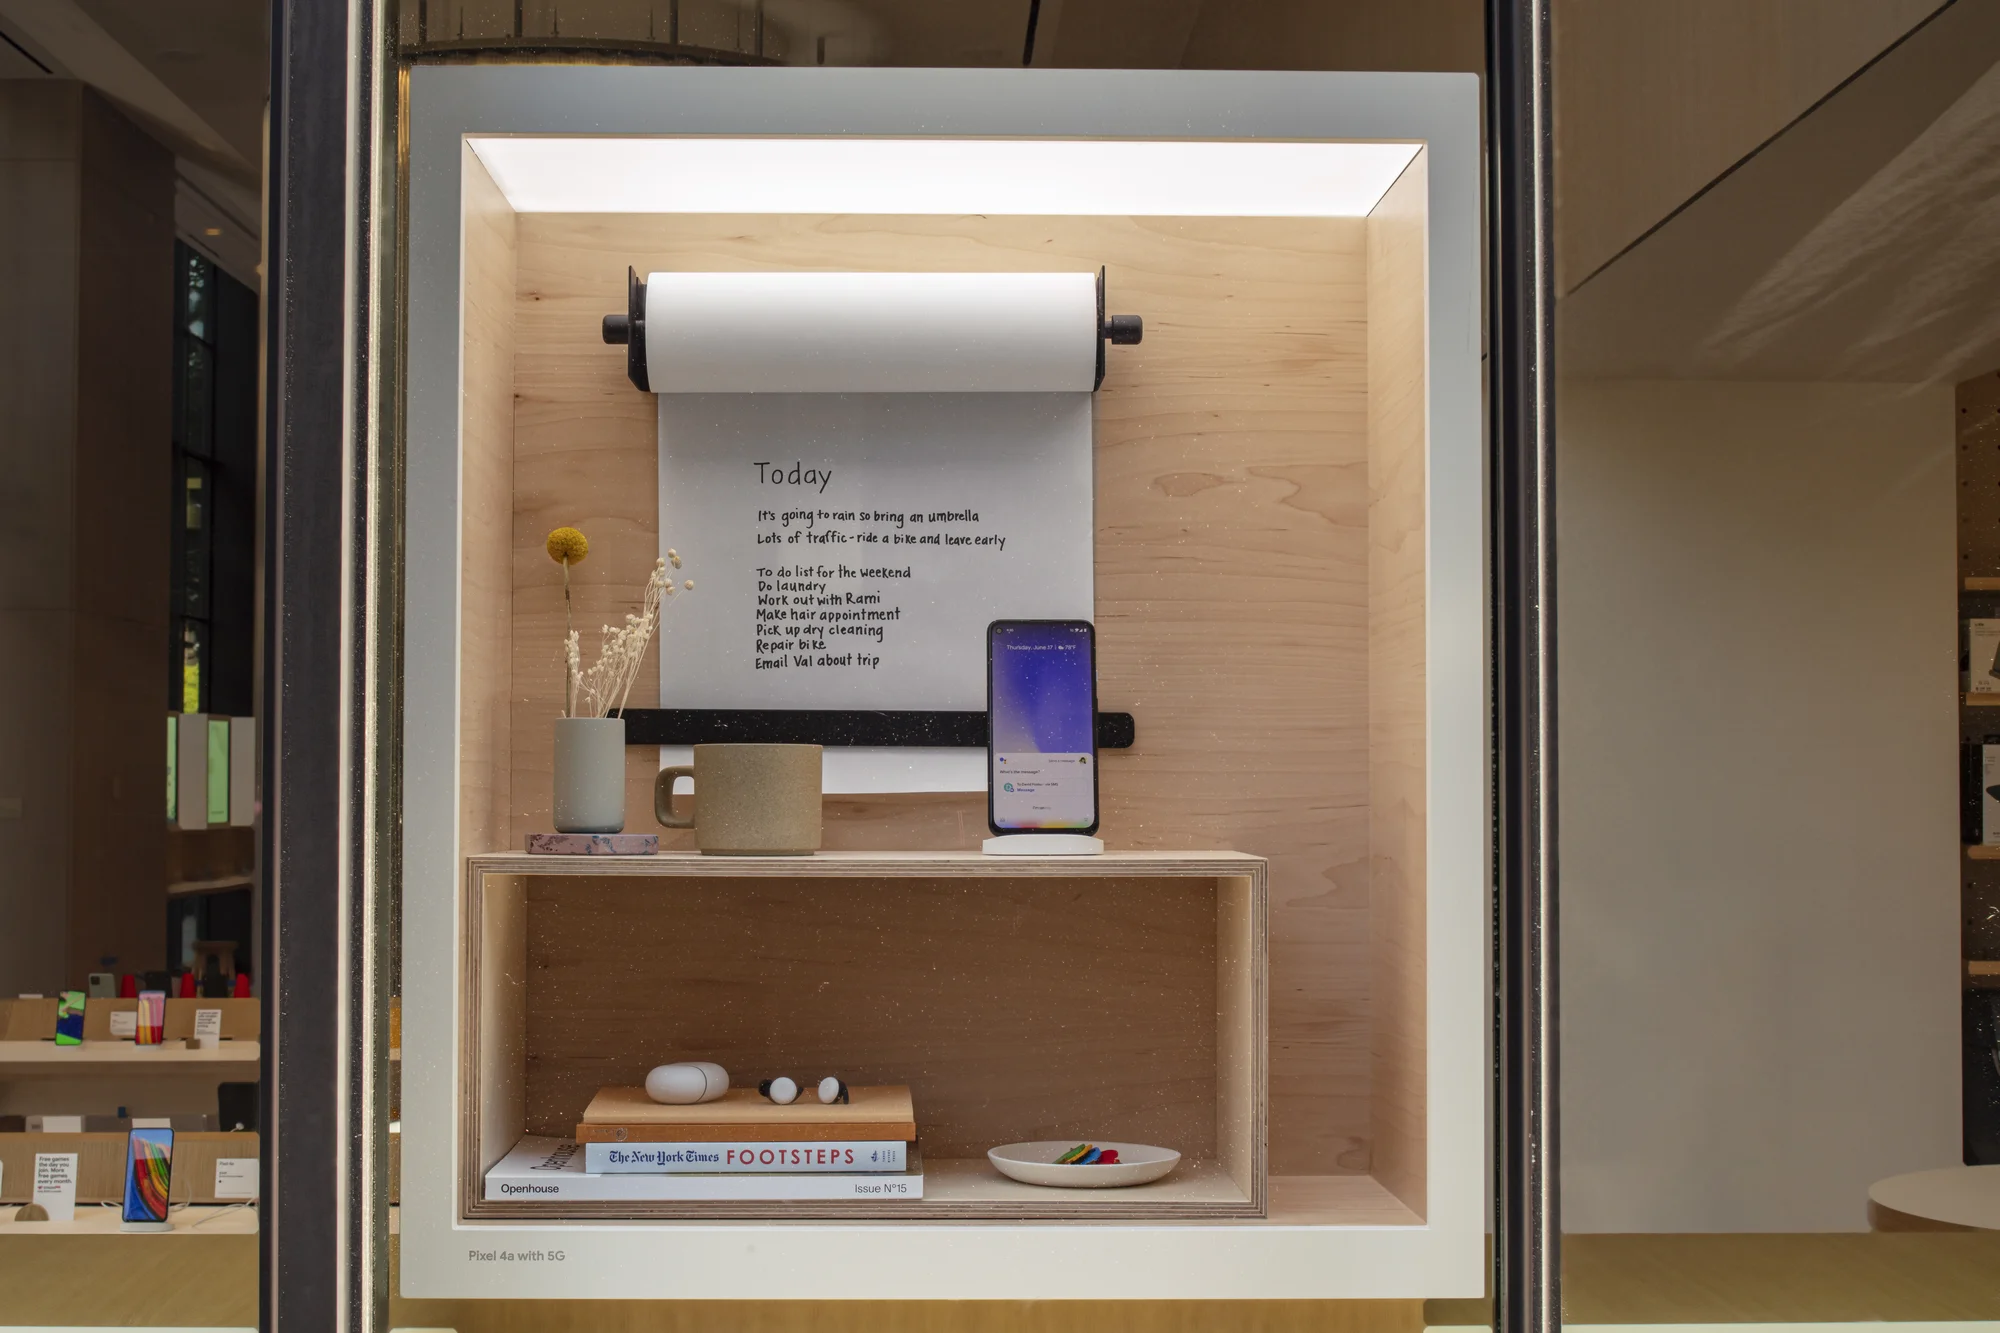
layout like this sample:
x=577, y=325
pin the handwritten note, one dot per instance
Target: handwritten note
x=849, y=550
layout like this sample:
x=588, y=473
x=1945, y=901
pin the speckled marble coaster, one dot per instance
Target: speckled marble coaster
x=593, y=844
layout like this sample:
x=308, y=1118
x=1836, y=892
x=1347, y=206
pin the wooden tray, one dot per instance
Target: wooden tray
x=628, y=1115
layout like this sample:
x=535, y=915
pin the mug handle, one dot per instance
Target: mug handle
x=663, y=796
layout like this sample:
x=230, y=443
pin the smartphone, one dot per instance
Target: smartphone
x=1041, y=726
x=69, y=1018
x=151, y=1030
x=149, y=1176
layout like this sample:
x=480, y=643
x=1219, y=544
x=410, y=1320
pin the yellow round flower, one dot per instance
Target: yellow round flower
x=567, y=546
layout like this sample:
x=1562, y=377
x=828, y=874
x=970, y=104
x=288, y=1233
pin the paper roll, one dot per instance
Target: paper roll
x=871, y=332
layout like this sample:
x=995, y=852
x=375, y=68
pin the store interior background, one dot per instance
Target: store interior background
x=1776, y=281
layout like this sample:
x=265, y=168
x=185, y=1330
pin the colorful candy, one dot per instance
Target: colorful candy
x=1088, y=1154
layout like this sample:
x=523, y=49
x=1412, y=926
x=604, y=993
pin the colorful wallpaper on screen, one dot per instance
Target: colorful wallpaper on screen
x=1042, y=690
x=151, y=1169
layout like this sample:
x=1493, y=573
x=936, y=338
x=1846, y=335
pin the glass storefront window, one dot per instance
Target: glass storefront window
x=132, y=1027
x=836, y=360
x=1776, y=1050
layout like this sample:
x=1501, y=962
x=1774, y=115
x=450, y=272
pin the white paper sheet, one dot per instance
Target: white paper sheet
x=861, y=472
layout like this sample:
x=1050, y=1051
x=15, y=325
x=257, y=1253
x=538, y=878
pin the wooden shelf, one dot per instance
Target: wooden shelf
x=956, y=973
x=100, y=1154
x=1982, y=584
x=1981, y=974
x=190, y=888
x=122, y=1059
x=1979, y=700
x=873, y=864
x=101, y=1219
x=1981, y=852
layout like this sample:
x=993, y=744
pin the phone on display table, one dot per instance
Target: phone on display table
x=149, y=1176
x=1041, y=726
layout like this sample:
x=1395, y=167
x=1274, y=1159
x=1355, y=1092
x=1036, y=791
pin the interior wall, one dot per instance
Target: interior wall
x=123, y=499
x=1759, y=837
x=40, y=127
x=86, y=245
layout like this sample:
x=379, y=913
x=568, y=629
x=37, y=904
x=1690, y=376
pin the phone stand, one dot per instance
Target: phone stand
x=1043, y=844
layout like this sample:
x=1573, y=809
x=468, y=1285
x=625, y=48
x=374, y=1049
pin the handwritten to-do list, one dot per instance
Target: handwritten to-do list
x=850, y=549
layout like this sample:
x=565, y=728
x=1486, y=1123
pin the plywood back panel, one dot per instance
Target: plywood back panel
x=1014, y=1009
x=1232, y=570
x=1397, y=342
x=486, y=480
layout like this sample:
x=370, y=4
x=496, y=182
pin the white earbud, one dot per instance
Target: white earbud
x=832, y=1090
x=781, y=1090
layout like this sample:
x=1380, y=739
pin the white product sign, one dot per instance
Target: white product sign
x=1989, y=805
x=55, y=1184
x=124, y=1024
x=849, y=550
x=208, y=1023
x=235, y=1177
x=1982, y=641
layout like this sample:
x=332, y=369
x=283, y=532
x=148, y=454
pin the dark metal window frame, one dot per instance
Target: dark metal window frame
x=1527, y=1228
x=326, y=543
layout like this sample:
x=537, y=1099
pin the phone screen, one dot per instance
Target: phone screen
x=149, y=1173
x=1041, y=711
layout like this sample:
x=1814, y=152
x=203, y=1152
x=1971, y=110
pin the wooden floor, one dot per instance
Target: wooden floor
x=211, y=1281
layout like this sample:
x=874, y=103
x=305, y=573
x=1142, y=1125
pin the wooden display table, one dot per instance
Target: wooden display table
x=1953, y=1198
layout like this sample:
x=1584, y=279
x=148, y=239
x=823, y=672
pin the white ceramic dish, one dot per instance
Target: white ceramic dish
x=1035, y=1164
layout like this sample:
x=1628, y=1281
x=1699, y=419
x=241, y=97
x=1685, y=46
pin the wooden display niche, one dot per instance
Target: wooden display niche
x=1119, y=997
x=1261, y=578
x=1263, y=482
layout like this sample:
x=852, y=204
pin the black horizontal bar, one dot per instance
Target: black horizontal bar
x=829, y=726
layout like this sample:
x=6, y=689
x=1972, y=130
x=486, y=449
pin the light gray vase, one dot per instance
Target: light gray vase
x=590, y=775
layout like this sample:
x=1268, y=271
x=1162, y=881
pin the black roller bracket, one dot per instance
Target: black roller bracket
x=1125, y=330
x=828, y=726
x=630, y=329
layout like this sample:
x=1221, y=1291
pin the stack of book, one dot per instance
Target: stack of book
x=631, y=1148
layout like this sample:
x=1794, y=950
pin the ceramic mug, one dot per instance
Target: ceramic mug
x=749, y=800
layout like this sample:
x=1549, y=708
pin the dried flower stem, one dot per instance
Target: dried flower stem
x=569, y=637
x=604, y=689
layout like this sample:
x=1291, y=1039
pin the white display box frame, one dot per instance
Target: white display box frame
x=1288, y=1255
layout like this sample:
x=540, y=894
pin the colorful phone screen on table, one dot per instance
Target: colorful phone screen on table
x=1041, y=715
x=149, y=1174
